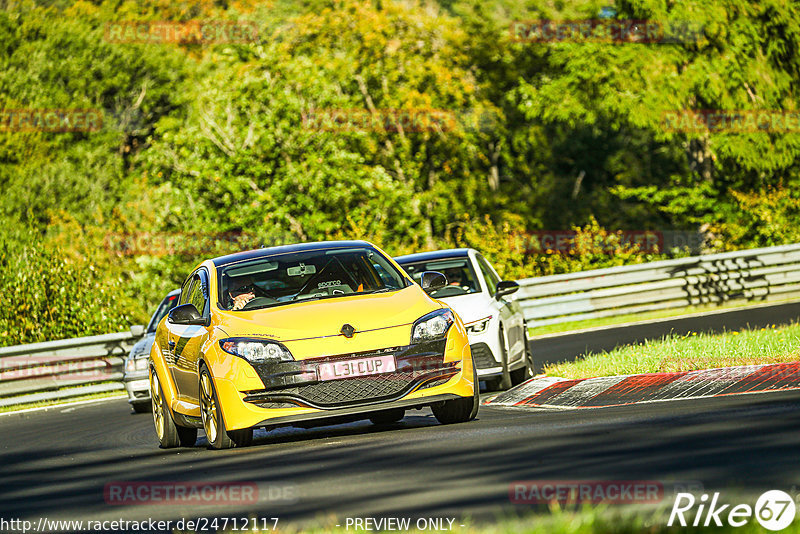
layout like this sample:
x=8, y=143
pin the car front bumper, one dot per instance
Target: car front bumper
x=289, y=397
x=137, y=385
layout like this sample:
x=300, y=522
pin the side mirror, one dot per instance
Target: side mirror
x=506, y=287
x=186, y=314
x=137, y=330
x=433, y=280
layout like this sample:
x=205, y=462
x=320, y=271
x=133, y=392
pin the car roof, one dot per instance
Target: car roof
x=434, y=255
x=286, y=249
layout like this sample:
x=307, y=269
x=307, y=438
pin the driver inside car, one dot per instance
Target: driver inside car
x=454, y=277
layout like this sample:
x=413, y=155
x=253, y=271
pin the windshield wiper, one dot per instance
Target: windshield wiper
x=318, y=297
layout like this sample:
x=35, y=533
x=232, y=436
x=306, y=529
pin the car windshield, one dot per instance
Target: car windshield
x=310, y=275
x=163, y=309
x=461, y=279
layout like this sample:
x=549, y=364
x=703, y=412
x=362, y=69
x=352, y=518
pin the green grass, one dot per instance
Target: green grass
x=689, y=353
x=630, y=318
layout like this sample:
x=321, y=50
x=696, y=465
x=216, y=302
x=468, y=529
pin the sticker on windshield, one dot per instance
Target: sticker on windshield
x=330, y=283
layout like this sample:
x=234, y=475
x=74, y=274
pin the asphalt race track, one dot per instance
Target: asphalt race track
x=56, y=463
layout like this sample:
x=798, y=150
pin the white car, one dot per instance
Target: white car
x=497, y=331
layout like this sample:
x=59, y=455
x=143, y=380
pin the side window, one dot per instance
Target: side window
x=186, y=290
x=488, y=275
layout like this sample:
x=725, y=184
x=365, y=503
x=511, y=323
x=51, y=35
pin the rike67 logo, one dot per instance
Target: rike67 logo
x=774, y=510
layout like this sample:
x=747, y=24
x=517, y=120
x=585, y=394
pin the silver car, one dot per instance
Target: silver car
x=136, y=380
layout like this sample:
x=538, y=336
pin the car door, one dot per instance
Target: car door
x=510, y=312
x=186, y=341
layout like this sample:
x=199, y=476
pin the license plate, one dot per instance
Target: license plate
x=361, y=367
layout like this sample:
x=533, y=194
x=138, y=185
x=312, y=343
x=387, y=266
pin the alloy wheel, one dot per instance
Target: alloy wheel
x=158, y=409
x=208, y=407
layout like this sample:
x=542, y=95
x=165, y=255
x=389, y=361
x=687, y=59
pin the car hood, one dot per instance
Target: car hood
x=470, y=307
x=322, y=318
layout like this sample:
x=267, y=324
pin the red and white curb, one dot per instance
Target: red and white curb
x=632, y=389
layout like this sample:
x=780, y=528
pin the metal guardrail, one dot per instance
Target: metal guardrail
x=748, y=276
x=62, y=369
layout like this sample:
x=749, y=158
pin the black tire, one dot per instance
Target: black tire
x=518, y=376
x=387, y=417
x=505, y=380
x=213, y=423
x=142, y=407
x=169, y=434
x=459, y=410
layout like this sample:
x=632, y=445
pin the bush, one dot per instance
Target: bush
x=515, y=255
x=49, y=295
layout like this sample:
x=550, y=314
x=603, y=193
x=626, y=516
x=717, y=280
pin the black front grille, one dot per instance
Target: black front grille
x=296, y=382
x=350, y=390
x=482, y=355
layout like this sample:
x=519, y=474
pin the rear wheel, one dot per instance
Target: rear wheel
x=213, y=424
x=169, y=434
x=387, y=417
x=459, y=410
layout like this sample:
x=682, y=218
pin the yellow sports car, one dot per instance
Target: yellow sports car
x=306, y=335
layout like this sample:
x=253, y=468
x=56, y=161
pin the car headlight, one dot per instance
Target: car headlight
x=432, y=326
x=479, y=326
x=135, y=364
x=256, y=350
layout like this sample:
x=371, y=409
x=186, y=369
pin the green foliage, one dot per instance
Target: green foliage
x=762, y=218
x=48, y=295
x=517, y=255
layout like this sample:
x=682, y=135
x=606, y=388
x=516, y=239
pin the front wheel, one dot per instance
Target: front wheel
x=213, y=424
x=169, y=434
x=459, y=410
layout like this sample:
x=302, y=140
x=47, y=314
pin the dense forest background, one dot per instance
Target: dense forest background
x=205, y=146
